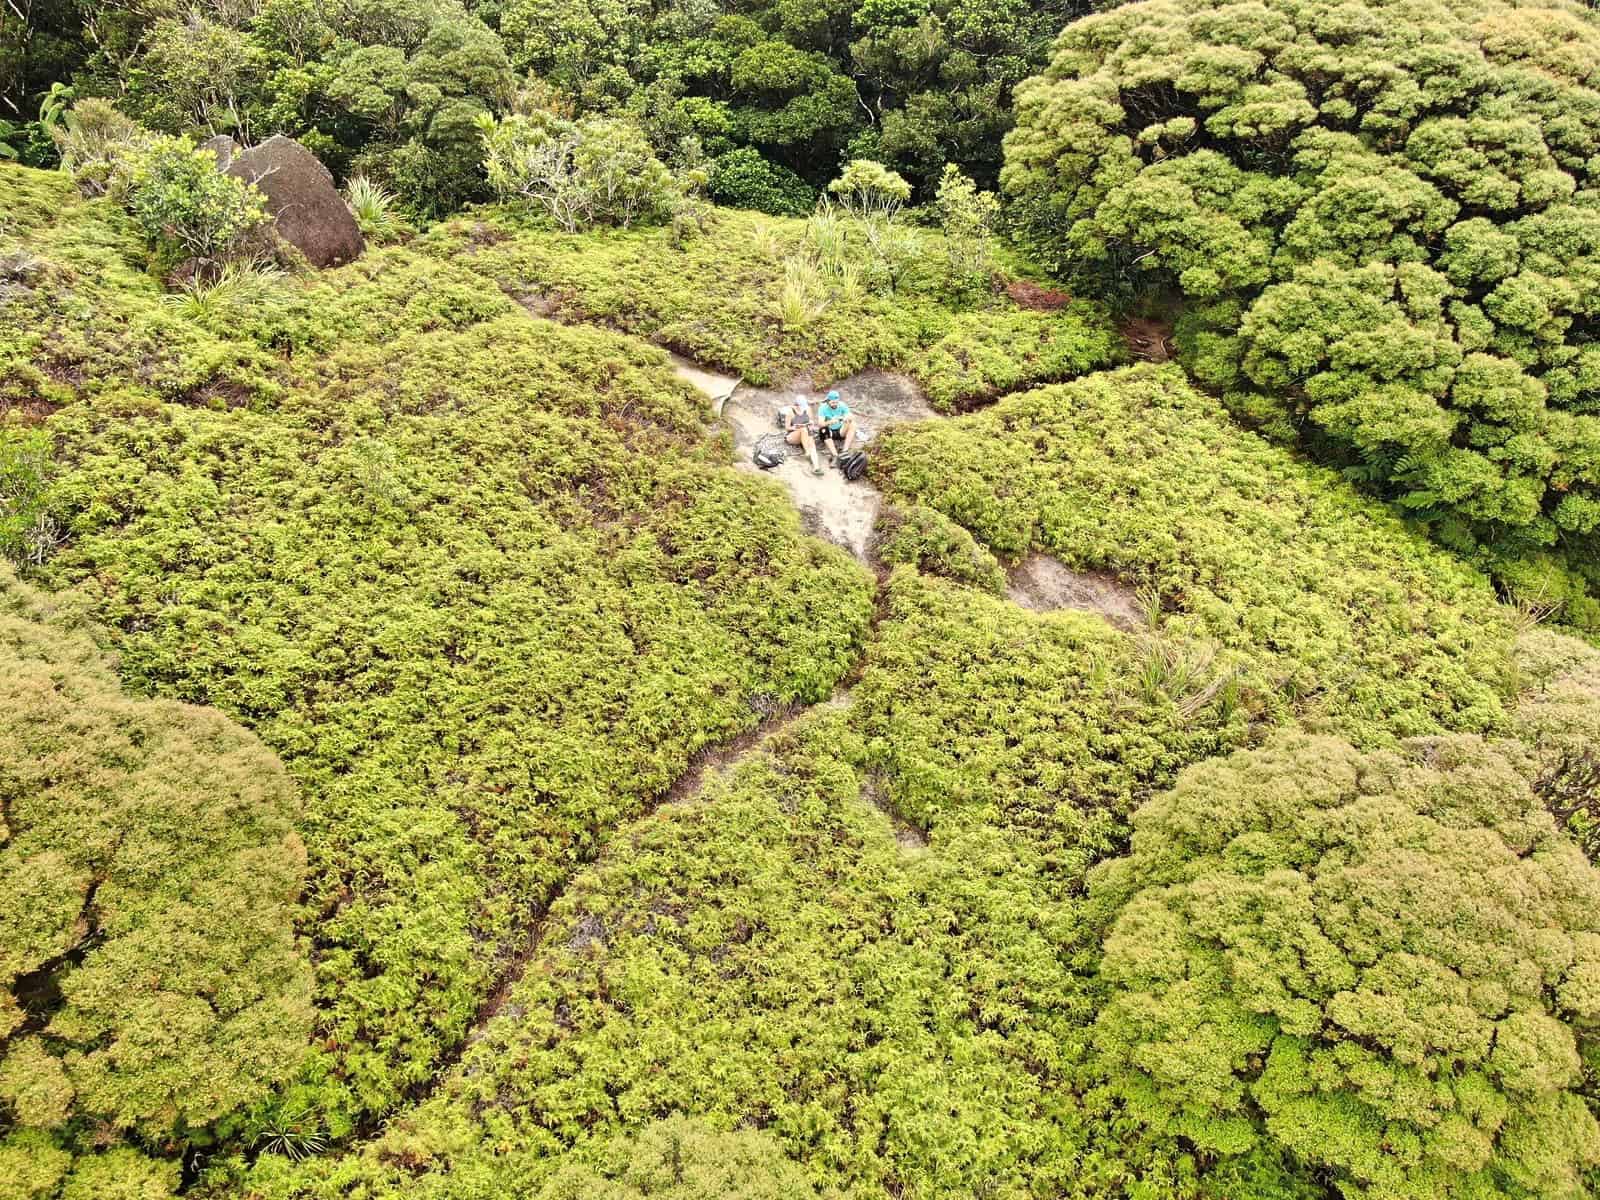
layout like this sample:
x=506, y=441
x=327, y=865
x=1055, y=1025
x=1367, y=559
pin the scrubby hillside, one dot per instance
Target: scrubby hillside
x=1378, y=223
x=1146, y=812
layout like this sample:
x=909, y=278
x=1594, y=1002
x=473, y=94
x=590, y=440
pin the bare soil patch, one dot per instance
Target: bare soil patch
x=1148, y=340
x=1045, y=584
x=1032, y=295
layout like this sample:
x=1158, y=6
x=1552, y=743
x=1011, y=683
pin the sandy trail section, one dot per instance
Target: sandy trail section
x=831, y=506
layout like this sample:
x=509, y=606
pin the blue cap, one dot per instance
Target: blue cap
x=833, y=395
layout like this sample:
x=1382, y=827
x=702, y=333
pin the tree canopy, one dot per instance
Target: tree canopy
x=148, y=877
x=1381, y=220
x=1379, y=964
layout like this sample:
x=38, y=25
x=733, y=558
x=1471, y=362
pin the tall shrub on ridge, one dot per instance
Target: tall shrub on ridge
x=1381, y=218
x=1377, y=968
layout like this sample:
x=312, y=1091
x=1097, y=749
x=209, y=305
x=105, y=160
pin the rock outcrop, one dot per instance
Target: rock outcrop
x=307, y=209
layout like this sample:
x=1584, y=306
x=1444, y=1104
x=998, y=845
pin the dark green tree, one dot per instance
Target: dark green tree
x=1383, y=228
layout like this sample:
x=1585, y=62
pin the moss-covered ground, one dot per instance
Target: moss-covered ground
x=487, y=584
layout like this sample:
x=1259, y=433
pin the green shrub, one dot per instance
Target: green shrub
x=869, y=191
x=992, y=352
x=968, y=219
x=764, y=955
x=96, y=144
x=934, y=544
x=1382, y=964
x=683, y=1159
x=28, y=531
x=595, y=171
x=980, y=715
x=151, y=981
x=94, y=322
x=1558, y=717
x=744, y=179
x=187, y=209
x=485, y=586
x=1345, y=616
x=1385, y=243
x=713, y=297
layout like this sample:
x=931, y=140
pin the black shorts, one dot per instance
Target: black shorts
x=836, y=434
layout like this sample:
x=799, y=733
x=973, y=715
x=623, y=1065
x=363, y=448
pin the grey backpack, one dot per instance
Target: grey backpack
x=769, y=452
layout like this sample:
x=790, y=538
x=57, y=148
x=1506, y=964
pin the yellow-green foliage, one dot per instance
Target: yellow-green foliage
x=148, y=874
x=895, y=996
x=1382, y=963
x=481, y=580
x=1336, y=607
x=683, y=1159
x=84, y=318
x=716, y=296
x=933, y=543
x=768, y=954
x=487, y=586
x=980, y=715
x=1558, y=717
x=991, y=352
x=1382, y=218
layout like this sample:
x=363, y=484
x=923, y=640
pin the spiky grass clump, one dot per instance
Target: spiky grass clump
x=375, y=209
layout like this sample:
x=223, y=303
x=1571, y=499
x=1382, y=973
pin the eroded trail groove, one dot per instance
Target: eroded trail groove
x=838, y=511
x=706, y=764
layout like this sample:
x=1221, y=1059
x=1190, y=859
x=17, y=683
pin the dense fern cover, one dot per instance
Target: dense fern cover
x=148, y=874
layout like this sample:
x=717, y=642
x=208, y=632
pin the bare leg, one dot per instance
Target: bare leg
x=811, y=450
x=849, y=433
x=800, y=435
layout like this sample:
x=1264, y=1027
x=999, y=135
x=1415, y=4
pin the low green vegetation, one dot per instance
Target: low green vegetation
x=719, y=298
x=151, y=989
x=893, y=1017
x=981, y=717
x=936, y=545
x=1377, y=966
x=480, y=580
x=1558, y=718
x=990, y=353
x=1326, y=606
x=437, y=770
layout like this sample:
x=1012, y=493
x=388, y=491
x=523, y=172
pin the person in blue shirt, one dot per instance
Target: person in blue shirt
x=838, y=425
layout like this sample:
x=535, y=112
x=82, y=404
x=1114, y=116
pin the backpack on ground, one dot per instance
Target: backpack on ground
x=770, y=451
x=854, y=464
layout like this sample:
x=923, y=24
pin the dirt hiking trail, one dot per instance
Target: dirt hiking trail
x=832, y=507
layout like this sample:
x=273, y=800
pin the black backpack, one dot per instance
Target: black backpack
x=854, y=464
x=770, y=452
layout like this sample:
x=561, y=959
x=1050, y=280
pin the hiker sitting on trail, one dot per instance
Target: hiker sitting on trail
x=799, y=429
x=838, y=424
